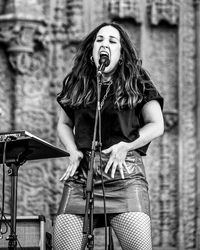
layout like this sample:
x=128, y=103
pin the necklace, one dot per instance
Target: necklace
x=106, y=94
x=106, y=82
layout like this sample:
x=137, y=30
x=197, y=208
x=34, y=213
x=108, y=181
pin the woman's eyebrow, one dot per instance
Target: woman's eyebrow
x=114, y=37
x=100, y=36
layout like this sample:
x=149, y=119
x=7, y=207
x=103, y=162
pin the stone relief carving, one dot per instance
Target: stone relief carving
x=60, y=22
x=125, y=9
x=187, y=132
x=29, y=9
x=170, y=119
x=21, y=41
x=75, y=23
x=26, y=42
x=35, y=187
x=163, y=10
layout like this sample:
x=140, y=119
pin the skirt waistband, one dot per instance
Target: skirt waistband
x=97, y=153
x=133, y=160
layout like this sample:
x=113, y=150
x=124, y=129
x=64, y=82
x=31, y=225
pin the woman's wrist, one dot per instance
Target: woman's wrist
x=126, y=146
x=76, y=152
x=129, y=146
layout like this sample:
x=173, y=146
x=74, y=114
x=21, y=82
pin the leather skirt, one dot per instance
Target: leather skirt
x=121, y=195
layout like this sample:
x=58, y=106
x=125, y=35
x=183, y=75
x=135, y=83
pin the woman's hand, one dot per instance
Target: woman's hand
x=74, y=161
x=117, y=158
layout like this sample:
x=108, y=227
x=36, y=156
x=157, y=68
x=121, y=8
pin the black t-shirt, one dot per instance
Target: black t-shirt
x=116, y=125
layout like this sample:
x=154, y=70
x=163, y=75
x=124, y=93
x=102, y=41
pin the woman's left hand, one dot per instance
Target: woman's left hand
x=117, y=158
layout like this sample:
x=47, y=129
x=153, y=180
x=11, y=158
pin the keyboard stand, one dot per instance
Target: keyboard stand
x=18, y=151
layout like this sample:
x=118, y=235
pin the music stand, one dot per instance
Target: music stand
x=20, y=147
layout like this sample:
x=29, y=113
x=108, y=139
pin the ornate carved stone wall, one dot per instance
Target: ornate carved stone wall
x=161, y=60
x=37, y=43
x=187, y=129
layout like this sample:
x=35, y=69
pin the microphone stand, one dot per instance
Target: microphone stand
x=89, y=207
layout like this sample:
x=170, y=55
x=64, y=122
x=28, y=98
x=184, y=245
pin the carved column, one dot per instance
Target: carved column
x=6, y=87
x=187, y=128
x=197, y=71
x=159, y=55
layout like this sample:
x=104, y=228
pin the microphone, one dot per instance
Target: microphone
x=104, y=61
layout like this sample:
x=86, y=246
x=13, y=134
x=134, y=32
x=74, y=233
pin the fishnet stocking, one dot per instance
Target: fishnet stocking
x=133, y=230
x=68, y=233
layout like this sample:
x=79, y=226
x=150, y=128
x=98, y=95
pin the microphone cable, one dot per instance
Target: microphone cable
x=104, y=200
x=102, y=181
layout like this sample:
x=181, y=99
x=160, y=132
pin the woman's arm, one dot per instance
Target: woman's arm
x=65, y=131
x=154, y=125
x=66, y=135
x=153, y=128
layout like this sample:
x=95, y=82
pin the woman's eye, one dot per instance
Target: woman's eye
x=99, y=40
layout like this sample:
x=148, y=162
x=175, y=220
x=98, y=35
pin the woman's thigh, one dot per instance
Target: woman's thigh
x=68, y=233
x=133, y=230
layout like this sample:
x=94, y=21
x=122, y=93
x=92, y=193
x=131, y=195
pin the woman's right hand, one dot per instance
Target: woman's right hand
x=74, y=161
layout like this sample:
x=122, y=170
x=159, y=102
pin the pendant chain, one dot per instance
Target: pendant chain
x=106, y=94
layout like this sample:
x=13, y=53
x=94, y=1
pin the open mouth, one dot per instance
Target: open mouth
x=102, y=53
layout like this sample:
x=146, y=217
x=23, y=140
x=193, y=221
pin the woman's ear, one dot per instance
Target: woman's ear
x=120, y=60
x=92, y=60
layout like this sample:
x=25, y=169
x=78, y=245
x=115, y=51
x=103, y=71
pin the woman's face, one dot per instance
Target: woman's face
x=107, y=42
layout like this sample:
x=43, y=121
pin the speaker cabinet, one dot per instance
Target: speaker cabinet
x=33, y=233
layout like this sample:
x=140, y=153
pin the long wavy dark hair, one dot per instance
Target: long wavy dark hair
x=79, y=86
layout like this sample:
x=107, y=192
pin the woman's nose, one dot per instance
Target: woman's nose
x=105, y=44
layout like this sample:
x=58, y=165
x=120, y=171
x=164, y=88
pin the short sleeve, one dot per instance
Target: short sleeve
x=149, y=91
x=68, y=110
